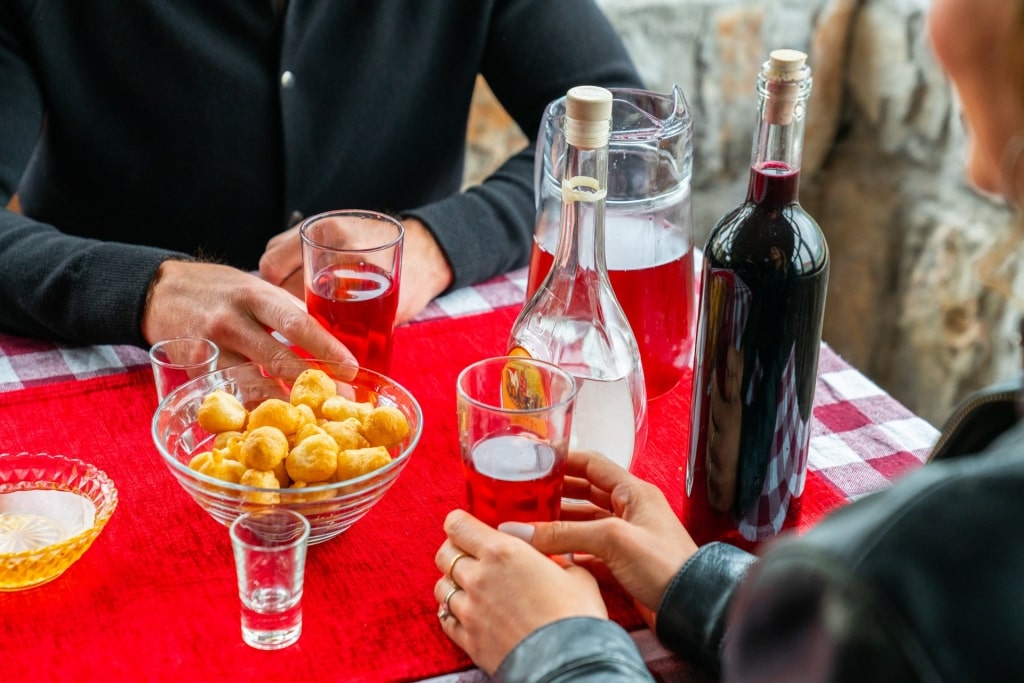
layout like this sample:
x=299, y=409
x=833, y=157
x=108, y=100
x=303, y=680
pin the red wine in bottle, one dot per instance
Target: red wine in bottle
x=764, y=279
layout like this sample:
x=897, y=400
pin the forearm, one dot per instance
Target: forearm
x=72, y=289
x=488, y=229
x=578, y=649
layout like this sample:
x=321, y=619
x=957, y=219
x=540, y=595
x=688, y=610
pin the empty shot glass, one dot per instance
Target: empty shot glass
x=176, y=361
x=270, y=559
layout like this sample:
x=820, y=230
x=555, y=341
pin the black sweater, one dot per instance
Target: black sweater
x=198, y=127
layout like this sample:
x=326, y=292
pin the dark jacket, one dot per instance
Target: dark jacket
x=202, y=127
x=918, y=582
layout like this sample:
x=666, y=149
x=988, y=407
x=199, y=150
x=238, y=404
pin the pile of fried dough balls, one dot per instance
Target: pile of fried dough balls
x=316, y=437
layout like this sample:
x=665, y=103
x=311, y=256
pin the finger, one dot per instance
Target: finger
x=284, y=313
x=467, y=532
x=449, y=556
x=597, y=469
x=442, y=587
x=580, y=489
x=586, y=512
x=564, y=537
x=448, y=596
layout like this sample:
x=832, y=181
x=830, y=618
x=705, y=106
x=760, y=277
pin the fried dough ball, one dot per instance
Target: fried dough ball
x=346, y=434
x=315, y=496
x=312, y=387
x=313, y=459
x=359, y=461
x=200, y=459
x=281, y=472
x=338, y=408
x=305, y=431
x=264, y=448
x=229, y=440
x=263, y=480
x=306, y=415
x=214, y=464
x=274, y=412
x=385, y=426
x=221, y=412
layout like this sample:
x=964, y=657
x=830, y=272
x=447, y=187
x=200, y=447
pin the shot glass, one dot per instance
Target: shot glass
x=352, y=262
x=515, y=416
x=270, y=559
x=176, y=361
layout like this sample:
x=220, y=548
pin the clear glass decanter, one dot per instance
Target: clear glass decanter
x=574, y=319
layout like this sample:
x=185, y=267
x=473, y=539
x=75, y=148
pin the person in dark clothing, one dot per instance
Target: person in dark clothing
x=157, y=148
x=918, y=582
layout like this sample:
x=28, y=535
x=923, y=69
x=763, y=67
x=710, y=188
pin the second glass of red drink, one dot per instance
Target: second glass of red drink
x=351, y=261
x=515, y=415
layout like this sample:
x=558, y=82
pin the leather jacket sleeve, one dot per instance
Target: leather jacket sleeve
x=577, y=649
x=692, y=615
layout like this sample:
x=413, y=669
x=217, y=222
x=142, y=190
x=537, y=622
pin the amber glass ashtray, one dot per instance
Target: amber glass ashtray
x=52, y=508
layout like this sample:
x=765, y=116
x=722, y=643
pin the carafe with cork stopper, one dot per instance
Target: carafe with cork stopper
x=763, y=285
x=573, y=319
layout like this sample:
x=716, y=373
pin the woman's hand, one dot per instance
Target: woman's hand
x=425, y=269
x=235, y=310
x=506, y=590
x=629, y=527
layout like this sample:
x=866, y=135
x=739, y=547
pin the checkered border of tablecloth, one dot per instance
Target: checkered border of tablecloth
x=25, y=363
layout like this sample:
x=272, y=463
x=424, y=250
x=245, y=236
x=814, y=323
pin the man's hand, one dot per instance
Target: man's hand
x=235, y=310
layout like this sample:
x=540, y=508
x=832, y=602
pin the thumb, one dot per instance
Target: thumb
x=559, y=538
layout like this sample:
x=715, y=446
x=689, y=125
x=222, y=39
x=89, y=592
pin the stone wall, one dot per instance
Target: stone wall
x=882, y=174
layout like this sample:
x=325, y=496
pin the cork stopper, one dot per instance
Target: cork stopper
x=588, y=114
x=784, y=73
x=787, y=65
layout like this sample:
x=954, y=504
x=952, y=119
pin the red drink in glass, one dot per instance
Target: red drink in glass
x=357, y=303
x=658, y=301
x=514, y=477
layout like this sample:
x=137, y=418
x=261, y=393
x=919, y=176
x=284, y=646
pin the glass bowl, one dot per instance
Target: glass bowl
x=330, y=508
x=52, y=508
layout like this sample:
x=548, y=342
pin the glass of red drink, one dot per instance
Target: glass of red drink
x=351, y=261
x=515, y=415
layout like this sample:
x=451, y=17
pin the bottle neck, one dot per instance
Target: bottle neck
x=778, y=141
x=581, y=244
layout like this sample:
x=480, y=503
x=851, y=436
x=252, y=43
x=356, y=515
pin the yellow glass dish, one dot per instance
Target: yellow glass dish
x=52, y=508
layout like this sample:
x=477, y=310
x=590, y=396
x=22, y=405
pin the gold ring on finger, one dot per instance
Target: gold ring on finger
x=451, y=566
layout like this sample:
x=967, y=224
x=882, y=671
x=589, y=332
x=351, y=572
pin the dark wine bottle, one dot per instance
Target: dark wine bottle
x=764, y=278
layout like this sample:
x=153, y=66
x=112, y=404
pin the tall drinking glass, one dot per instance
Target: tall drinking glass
x=648, y=222
x=352, y=261
x=515, y=415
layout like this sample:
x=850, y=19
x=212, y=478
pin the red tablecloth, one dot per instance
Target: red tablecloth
x=155, y=597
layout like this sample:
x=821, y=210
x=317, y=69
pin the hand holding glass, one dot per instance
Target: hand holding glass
x=515, y=415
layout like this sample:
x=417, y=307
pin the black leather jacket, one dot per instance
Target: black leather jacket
x=923, y=581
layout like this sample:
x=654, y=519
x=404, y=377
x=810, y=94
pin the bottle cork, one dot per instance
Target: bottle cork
x=588, y=114
x=784, y=72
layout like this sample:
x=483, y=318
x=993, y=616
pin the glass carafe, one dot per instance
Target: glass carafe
x=648, y=222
